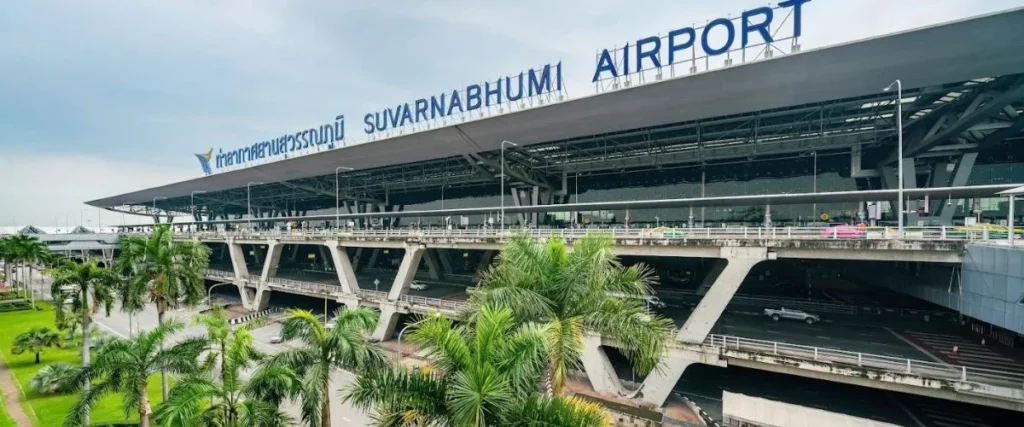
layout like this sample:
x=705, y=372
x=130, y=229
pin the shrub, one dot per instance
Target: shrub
x=58, y=378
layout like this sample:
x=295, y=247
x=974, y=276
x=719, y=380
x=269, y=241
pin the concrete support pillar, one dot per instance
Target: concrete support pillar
x=254, y=299
x=535, y=200
x=355, y=260
x=273, y=259
x=599, y=368
x=659, y=384
x=343, y=266
x=324, y=254
x=486, y=260
x=374, y=254
x=259, y=254
x=726, y=282
x=386, y=324
x=238, y=260
x=406, y=272
x=446, y=261
x=961, y=174
x=433, y=265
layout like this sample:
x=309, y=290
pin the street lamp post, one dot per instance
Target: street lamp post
x=337, y=195
x=209, y=294
x=81, y=217
x=248, y=201
x=398, y=351
x=899, y=148
x=503, y=180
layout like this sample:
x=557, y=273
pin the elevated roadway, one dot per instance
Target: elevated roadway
x=878, y=361
x=934, y=244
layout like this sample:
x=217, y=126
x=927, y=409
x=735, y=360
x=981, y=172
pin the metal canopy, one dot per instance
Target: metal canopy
x=929, y=59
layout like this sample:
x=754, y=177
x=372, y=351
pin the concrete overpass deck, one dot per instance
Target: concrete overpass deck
x=734, y=251
x=927, y=244
x=868, y=357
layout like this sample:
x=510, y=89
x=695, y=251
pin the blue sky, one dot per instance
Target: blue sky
x=104, y=97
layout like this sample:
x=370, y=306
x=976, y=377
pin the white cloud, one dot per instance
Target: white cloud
x=139, y=86
x=47, y=190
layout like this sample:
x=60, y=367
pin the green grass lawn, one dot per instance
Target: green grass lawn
x=50, y=410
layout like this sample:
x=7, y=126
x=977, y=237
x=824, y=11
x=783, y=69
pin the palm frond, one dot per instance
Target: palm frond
x=560, y=411
x=641, y=334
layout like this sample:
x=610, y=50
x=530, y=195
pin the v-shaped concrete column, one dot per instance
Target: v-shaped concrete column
x=237, y=260
x=343, y=266
x=720, y=285
x=433, y=266
x=599, y=368
x=406, y=271
x=725, y=279
x=274, y=249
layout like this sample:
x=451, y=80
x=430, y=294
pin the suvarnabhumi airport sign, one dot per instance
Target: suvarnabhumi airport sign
x=755, y=34
x=327, y=135
x=758, y=30
x=504, y=90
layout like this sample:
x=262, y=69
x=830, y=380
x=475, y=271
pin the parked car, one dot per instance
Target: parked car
x=418, y=286
x=276, y=340
x=843, y=231
x=789, y=314
x=651, y=300
x=655, y=302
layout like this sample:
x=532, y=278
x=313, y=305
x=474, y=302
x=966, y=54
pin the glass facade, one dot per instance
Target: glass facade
x=796, y=173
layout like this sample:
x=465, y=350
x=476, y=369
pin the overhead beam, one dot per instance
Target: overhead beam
x=966, y=121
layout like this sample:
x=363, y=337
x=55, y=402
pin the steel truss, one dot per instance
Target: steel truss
x=944, y=120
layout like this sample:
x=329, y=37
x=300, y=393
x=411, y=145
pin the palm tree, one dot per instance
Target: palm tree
x=484, y=374
x=28, y=249
x=162, y=271
x=6, y=256
x=231, y=402
x=36, y=340
x=343, y=346
x=124, y=366
x=570, y=292
x=86, y=287
x=218, y=332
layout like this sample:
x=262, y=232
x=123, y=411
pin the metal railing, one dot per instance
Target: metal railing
x=220, y=273
x=894, y=365
x=301, y=285
x=660, y=233
x=890, y=364
x=373, y=295
x=437, y=303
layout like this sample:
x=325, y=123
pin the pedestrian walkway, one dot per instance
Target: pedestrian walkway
x=12, y=396
x=969, y=353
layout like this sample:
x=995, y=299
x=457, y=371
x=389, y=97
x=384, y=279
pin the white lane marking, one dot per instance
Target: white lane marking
x=912, y=344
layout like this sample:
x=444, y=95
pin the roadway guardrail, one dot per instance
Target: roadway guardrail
x=889, y=364
x=727, y=342
x=660, y=233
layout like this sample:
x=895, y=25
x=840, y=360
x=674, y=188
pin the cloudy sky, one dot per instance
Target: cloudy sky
x=110, y=96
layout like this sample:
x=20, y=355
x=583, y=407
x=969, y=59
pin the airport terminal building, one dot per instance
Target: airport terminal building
x=721, y=155
x=814, y=121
